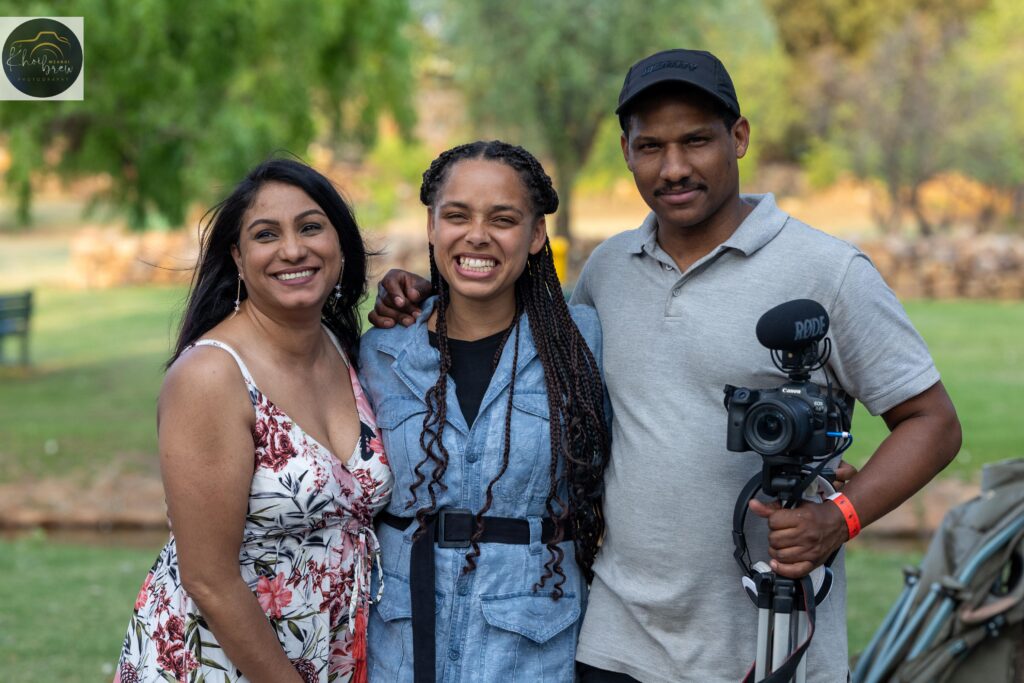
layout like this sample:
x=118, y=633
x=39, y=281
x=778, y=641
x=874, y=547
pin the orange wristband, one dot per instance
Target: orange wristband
x=849, y=514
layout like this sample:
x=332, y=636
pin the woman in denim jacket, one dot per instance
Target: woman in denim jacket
x=492, y=412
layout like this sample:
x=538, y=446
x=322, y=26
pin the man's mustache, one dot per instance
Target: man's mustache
x=675, y=189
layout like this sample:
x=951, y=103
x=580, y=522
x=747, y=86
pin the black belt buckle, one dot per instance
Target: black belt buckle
x=442, y=529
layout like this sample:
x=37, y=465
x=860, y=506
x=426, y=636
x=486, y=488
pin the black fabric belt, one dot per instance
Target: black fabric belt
x=449, y=528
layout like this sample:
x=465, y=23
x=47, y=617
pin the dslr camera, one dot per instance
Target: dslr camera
x=799, y=423
x=791, y=420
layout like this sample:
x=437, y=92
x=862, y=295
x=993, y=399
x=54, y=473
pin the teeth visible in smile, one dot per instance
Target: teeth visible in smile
x=295, y=276
x=480, y=265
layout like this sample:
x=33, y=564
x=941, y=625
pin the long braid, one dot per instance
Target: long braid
x=437, y=410
x=579, y=444
x=578, y=429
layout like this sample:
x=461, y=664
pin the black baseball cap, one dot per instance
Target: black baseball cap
x=698, y=68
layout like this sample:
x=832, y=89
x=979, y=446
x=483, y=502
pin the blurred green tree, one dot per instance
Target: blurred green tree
x=550, y=72
x=987, y=142
x=876, y=88
x=897, y=106
x=183, y=97
x=826, y=40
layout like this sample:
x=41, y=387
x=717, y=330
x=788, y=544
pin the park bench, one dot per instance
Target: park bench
x=15, y=310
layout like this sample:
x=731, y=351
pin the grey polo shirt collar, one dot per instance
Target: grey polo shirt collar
x=758, y=229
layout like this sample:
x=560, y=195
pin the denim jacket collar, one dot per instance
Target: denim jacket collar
x=416, y=363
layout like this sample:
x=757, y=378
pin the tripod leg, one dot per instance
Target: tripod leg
x=780, y=642
x=782, y=637
x=801, y=635
x=763, y=662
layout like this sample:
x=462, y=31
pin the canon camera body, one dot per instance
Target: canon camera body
x=792, y=420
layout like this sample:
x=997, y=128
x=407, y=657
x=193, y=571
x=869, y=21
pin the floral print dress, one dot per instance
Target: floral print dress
x=307, y=549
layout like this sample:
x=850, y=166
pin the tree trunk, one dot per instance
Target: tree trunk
x=924, y=226
x=566, y=176
x=1017, y=214
x=23, y=212
x=886, y=210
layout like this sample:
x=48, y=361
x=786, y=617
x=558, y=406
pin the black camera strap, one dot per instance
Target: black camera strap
x=739, y=517
x=785, y=673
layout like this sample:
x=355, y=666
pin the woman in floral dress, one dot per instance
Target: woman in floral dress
x=271, y=458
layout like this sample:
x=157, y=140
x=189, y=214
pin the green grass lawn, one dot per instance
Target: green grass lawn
x=65, y=607
x=90, y=396
x=874, y=579
x=977, y=349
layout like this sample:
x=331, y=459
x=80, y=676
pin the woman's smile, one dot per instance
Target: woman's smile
x=296, y=276
x=475, y=266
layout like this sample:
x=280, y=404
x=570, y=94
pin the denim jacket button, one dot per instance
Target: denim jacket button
x=453, y=655
x=472, y=456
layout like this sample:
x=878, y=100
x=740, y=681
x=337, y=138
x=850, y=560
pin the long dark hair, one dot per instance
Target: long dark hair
x=579, y=441
x=215, y=280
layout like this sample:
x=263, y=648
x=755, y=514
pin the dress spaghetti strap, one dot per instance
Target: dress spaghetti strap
x=234, y=354
x=337, y=345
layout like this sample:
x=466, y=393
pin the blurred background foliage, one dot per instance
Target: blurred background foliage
x=183, y=97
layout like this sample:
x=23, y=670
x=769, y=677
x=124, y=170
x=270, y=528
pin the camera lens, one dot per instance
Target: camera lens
x=770, y=426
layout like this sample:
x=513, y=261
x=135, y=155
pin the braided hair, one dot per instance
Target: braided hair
x=575, y=392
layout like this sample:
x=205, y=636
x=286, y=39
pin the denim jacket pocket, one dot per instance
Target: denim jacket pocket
x=401, y=421
x=530, y=461
x=396, y=603
x=537, y=636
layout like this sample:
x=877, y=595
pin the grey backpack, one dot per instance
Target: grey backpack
x=960, y=617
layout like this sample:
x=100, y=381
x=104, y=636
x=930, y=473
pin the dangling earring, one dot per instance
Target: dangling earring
x=336, y=294
x=238, y=296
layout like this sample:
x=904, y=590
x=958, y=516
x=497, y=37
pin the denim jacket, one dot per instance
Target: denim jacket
x=491, y=625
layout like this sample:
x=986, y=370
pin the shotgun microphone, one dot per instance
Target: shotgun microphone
x=793, y=326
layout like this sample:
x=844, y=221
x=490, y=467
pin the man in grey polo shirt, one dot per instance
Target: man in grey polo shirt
x=678, y=300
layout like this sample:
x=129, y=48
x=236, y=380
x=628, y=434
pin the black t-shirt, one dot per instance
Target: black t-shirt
x=471, y=370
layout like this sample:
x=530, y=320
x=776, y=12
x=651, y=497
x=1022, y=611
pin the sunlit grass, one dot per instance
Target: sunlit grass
x=65, y=607
x=976, y=346
x=89, y=397
x=90, y=393
x=874, y=579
